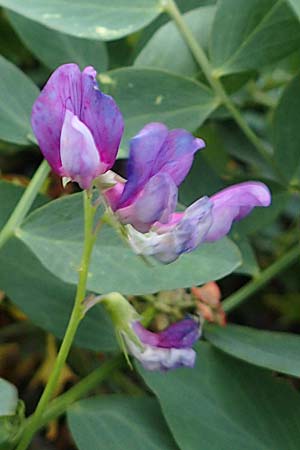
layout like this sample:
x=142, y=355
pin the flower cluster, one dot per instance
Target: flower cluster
x=79, y=130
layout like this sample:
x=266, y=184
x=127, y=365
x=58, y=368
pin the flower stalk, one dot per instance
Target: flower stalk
x=24, y=203
x=76, y=316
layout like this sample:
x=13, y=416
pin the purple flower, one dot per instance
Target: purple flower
x=78, y=128
x=206, y=220
x=169, y=349
x=159, y=160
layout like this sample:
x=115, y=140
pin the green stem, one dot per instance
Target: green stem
x=212, y=76
x=59, y=405
x=234, y=300
x=25, y=202
x=76, y=316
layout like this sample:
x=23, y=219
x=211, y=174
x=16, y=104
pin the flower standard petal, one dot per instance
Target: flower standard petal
x=62, y=90
x=100, y=113
x=156, y=202
x=233, y=204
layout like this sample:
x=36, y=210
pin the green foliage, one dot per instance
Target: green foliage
x=272, y=350
x=262, y=32
x=17, y=94
x=54, y=234
x=148, y=95
x=240, y=92
x=228, y=404
x=122, y=422
x=54, y=48
x=105, y=20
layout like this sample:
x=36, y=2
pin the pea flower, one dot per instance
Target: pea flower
x=78, y=128
x=166, y=350
x=158, y=162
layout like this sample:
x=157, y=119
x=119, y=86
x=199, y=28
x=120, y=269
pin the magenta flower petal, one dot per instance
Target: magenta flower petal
x=168, y=349
x=155, y=203
x=63, y=90
x=167, y=242
x=102, y=116
x=143, y=151
x=69, y=89
x=233, y=204
x=156, y=150
x=177, y=154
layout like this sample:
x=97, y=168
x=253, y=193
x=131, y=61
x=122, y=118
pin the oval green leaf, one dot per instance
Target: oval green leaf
x=147, y=95
x=259, y=33
x=17, y=94
x=54, y=234
x=167, y=49
x=269, y=349
x=118, y=423
x=104, y=20
x=54, y=48
x=45, y=299
x=224, y=403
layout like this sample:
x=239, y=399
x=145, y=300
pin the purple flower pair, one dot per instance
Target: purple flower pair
x=79, y=130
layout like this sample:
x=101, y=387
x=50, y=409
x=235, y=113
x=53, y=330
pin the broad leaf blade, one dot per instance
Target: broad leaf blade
x=119, y=422
x=269, y=349
x=103, y=20
x=54, y=48
x=259, y=33
x=224, y=403
x=17, y=94
x=54, y=234
x=167, y=50
x=146, y=95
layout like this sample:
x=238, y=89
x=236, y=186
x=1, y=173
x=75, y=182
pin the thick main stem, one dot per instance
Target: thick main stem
x=171, y=8
x=25, y=202
x=263, y=278
x=76, y=316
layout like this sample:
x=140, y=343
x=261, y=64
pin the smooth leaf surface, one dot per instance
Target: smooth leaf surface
x=224, y=403
x=48, y=301
x=54, y=234
x=17, y=94
x=286, y=130
x=167, y=50
x=118, y=423
x=54, y=48
x=103, y=20
x=45, y=299
x=146, y=95
x=295, y=4
x=249, y=265
x=259, y=33
x=269, y=349
x=8, y=398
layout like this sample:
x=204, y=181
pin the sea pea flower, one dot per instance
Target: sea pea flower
x=165, y=350
x=168, y=349
x=207, y=220
x=159, y=160
x=78, y=128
